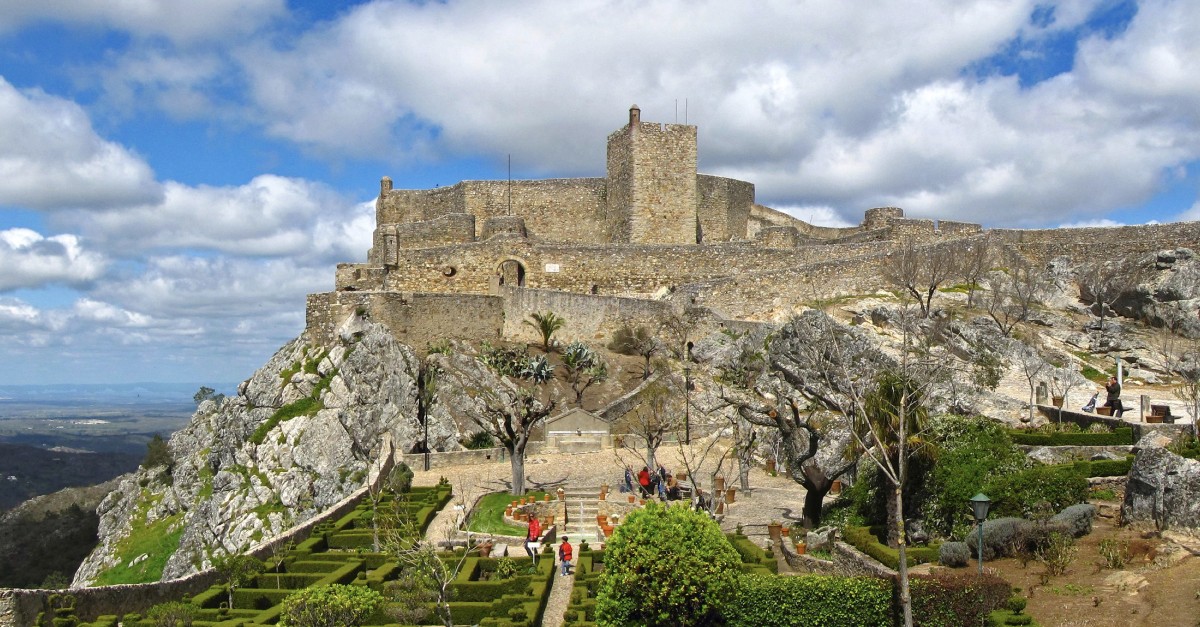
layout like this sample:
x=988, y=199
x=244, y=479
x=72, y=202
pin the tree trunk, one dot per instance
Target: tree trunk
x=744, y=470
x=517, y=459
x=896, y=504
x=814, y=500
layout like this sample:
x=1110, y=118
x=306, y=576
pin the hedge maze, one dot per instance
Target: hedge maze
x=341, y=552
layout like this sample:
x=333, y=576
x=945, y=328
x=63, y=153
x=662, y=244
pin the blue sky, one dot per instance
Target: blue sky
x=176, y=176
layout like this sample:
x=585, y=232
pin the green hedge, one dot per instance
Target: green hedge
x=1023, y=494
x=955, y=599
x=811, y=600
x=862, y=539
x=1104, y=468
x=754, y=558
x=1119, y=437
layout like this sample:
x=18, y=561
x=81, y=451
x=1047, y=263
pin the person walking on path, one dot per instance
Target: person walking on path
x=1114, y=397
x=533, y=544
x=565, y=554
x=644, y=481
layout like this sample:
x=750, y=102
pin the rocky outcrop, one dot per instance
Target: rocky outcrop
x=297, y=438
x=1164, y=489
x=1171, y=297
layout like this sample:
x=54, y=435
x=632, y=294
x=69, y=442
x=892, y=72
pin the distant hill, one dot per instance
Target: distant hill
x=109, y=393
x=49, y=534
x=27, y=471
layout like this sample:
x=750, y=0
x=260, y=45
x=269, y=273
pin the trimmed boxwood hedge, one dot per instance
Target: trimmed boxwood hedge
x=811, y=600
x=1118, y=437
x=1104, y=467
x=862, y=539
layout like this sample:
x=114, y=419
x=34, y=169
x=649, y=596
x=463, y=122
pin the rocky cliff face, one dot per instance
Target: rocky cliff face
x=297, y=438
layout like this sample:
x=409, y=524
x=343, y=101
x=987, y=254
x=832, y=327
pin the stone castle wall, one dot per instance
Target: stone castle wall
x=589, y=319
x=723, y=208
x=414, y=319
x=1101, y=242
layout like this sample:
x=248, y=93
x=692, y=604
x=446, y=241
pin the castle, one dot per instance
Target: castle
x=473, y=260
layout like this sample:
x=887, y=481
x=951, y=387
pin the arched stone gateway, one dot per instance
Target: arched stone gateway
x=512, y=273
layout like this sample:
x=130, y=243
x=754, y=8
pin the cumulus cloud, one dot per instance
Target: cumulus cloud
x=31, y=260
x=818, y=216
x=181, y=21
x=50, y=157
x=817, y=103
x=271, y=216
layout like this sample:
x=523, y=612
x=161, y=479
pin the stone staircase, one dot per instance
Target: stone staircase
x=581, y=506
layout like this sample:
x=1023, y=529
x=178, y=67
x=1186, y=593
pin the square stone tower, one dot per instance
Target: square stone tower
x=651, y=188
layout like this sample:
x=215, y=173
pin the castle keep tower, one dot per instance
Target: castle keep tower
x=652, y=183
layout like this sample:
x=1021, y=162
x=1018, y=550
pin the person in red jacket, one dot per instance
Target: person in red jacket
x=533, y=541
x=565, y=553
x=644, y=481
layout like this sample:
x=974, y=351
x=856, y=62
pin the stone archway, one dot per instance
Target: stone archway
x=511, y=273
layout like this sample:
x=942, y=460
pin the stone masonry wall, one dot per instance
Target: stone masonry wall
x=604, y=270
x=565, y=210
x=589, y=319
x=723, y=208
x=1101, y=243
x=414, y=319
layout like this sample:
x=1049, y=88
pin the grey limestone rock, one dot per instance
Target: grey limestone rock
x=1163, y=488
x=241, y=476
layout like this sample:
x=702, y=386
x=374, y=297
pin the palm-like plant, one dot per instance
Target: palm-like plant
x=547, y=324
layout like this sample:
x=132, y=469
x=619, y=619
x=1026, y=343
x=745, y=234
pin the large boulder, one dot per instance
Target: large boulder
x=1164, y=489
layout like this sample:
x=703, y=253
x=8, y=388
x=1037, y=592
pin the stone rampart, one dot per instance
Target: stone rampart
x=777, y=237
x=1101, y=242
x=414, y=319
x=723, y=208
x=589, y=319
x=443, y=230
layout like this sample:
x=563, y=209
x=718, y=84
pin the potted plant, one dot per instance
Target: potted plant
x=485, y=548
x=562, y=494
x=632, y=498
x=547, y=499
x=771, y=464
x=801, y=548
x=720, y=483
x=775, y=530
x=730, y=495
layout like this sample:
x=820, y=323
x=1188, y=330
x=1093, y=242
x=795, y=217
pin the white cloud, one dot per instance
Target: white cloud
x=1088, y=224
x=182, y=21
x=818, y=216
x=271, y=216
x=31, y=260
x=1191, y=214
x=50, y=157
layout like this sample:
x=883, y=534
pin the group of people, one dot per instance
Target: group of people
x=660, y=483
x=533, y=546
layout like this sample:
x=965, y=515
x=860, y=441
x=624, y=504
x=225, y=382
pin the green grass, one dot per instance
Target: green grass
x=157, y=540
x=488, y=515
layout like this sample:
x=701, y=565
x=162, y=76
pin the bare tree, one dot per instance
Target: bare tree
x=435, y=572
x=511, y=412
x=657, y=414
x=638, y=341
x=1062, y=381
x=1183, y=361
x=1033, y=367
x=975, y=256
x=1103, y=282
x=921, y=270
x=1012, y=295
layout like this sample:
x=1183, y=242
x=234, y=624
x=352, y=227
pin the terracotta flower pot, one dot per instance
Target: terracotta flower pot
x=801, y=548
x=775, y=530
x=731, y=495
x=547, y=499
x=608, y=531
x=835, y=487
x=508, y=511
x=720, y=483
x=601, y=519
x=485, y=549
x=786, y=531
x=632, y=498
x=770, y=465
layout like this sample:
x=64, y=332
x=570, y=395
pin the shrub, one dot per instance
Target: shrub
x=1077, y=519
x=1042, y=487
x=479, y=440
x=955, y=599
x=1000, y=537
x=666, y=564
x=954, y=554
x=862, y=539
x=1119, y=437
x=810, y=600
x=1115, y=552
x=334, y=605
x=171, y=614
x=970, y=451
x=1058, y=553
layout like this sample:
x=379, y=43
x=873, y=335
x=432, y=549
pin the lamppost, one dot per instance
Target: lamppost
x=979, y=505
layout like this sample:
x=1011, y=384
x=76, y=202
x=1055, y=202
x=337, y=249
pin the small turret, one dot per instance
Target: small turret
x=385, y=185
x=635, y=115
